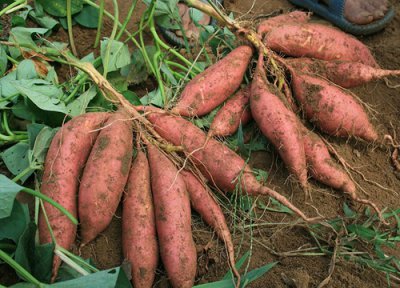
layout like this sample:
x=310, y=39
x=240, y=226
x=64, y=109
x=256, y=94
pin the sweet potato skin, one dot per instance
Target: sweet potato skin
x=322, y=167
x=278, y=124
x=294, y=17
x=235, y=111
x=173, y=220
x=320, y=42
x=210, y=211
x=139, y=239
x=219, y=164
x=64, y=163
x=343, y=73
x=215, y=84
x=105, y=175
x=333, y=110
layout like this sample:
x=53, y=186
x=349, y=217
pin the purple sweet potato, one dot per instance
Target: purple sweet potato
x=219, y=164
x=320, y=42
x=278, y=123
x=235, y=111
x=332, y=109
x=294, y=17
x=139, y=239
x=64, y=163
x=215, y=84
x=105, y=175
x=343, y=73
x=173, y=220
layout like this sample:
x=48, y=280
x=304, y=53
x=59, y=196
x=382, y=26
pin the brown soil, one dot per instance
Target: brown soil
x=305, y=271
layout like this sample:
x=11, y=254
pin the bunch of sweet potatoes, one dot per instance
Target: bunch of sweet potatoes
x=90, y=162
x=87, y=169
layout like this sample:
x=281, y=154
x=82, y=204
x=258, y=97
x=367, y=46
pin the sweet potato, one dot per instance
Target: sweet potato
x=222, y=167
x=318, y=41
x=64, y=163
x=214, y=85
x=278, y=123
x=332, y=109
x=105, y=175
x=234, y=112
x=294, y=17
x=139, y=239
x=324, y=169
x=209, y=210
x=173, y=220
x=343, y=73
x=321, y=165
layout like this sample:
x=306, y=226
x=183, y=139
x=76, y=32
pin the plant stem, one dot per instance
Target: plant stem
x=126, y=21
x=99, y=24
x=111, y=39
x=52, y=202
x=12, y=7
x=69, y=24
x=70, y=262
x=24, y=172
x=21, y=270
x=173, y=51
x=77, y=259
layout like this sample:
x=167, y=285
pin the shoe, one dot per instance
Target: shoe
x=175, y=40
x=334, y=12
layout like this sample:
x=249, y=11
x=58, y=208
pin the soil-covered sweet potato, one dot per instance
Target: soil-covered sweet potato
x=222, y=166
x=343, y=73
x=139, y=239
x=63, y=166
x=318, y=41
x=105, y=175
x=173, y=220
x=215, y=84
x=236, y=111
x=278, y=123
x=333, y=110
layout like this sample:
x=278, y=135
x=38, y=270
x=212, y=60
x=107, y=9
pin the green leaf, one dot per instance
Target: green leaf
x=3, y=60
x=44, y=21
x=256, y=273
x=119, y=55
x=33, y=130
x=58, y=8
x=23, y=35
x=153, y=97
x=43, y=94
x=165, y=70
x=217, y=284
x=205, y=121
x=16, y=159
x=88, y=17
x=26, y=247
x=79, y=105
x=43, y=262
x=42, y=144
x=111, y=278
x=362, y=232
x=118, y=81
x=26, y=70
x=132, y=97
x=138, y=71
x=17, y=21
x=348, y=212
x=238, y=265
x=15, y=223
x=166, y=13
x=6, y=88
